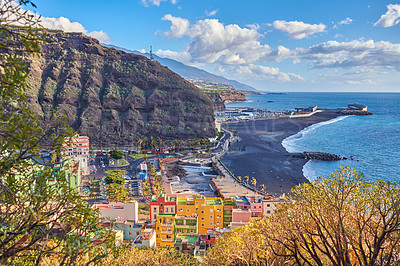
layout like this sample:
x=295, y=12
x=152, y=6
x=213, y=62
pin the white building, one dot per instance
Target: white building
x=78, y=149
x=118, y=211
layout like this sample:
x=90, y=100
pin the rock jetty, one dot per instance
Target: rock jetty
x=320, y=156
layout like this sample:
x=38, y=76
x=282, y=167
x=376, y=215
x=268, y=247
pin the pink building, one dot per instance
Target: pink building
x=256, y=206
x=241, y=215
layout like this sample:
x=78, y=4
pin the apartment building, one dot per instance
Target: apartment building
x=77, y=148
x=162, y=205
x=208, y=210
x=165, y=230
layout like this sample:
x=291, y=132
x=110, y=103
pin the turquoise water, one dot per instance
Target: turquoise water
x=373, y=141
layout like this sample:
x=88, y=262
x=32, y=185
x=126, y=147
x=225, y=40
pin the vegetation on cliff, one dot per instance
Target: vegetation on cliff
x=112, y=96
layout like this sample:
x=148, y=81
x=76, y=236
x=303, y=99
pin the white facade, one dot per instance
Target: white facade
x=118, y=211
x=269, y=206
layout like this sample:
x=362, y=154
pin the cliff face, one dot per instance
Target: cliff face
x=231, y=96
x=115, y=97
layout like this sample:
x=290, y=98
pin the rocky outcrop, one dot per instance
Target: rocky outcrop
x=232, y=96
x=355, y=112
x=320, y=156
x=112, y=96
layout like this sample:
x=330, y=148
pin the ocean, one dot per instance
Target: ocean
x=372, y=141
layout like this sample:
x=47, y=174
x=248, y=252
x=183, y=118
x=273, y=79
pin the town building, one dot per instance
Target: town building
x=146, y=239
x=165, y=230
x=229, y=205
x=256, y=207
x=77, y=148
x=160, y=205
x=127, y=211
x=130, y=228
x=270, y=205
x=208, y=210
x=186, y=224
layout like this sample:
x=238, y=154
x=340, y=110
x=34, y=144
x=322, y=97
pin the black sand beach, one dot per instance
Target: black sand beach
x=262, y=155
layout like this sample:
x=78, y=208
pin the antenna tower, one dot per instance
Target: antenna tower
x=151, y=53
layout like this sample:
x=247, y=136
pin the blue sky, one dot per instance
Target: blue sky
x=286, y=45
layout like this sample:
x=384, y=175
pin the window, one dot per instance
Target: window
x=202, y=225
x=211, y=217
x=218, y=210
x=161, y=204
x=211, y=223
x=197, y=202
x=188, y=210
x=137, y=233
x=197, y=209
x=202, y=211
x=154, y=209
x=158, y=236
x=211, y=210
x=180, y=210
x=259, y=207
x=158, y=228
x=218, y=223
x=166, y=209
x=219, y=216
x=202, y=218
x=268, y=212
x=130, y=233
x=268, y=205
x=161, y=211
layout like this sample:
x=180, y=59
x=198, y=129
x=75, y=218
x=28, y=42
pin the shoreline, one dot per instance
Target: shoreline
x=260, y=153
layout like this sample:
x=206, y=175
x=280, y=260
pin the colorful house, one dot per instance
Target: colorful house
x=165, y=230
x=208, y=210
x=162, y=205
x=229, y=205
x=185, y=224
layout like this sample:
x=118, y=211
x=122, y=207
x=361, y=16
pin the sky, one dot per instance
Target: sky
x=285, y=45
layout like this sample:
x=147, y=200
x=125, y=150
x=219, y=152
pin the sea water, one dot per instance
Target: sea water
x=372, y=141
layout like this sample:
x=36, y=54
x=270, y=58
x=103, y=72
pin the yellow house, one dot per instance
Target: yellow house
x=165, y=227
x=208, y=210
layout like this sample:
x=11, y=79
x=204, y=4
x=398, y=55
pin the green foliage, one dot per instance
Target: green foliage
x=116, y=154
x=115, y=177
x=41, y=216
x=338, y=220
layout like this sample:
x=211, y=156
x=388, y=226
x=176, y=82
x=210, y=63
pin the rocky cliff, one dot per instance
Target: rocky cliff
x=112, y=96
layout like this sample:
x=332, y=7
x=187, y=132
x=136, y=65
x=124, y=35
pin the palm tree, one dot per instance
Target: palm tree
x=246, y=178
x=139, y=144
x=262, y=188
x=159, y=143
x=239, y=178
x=254, y=182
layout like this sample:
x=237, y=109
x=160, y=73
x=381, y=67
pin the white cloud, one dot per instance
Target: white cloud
x=390, y=18
x=259, y=72
x=60, y=23
x=101, y=36
x=212, y=41
x=183, y=57
x=66, y=25
x=298, y=29
x=346, y=21
x=179, y=26
x=356, y=53
x=157, y=2
x=211, y=13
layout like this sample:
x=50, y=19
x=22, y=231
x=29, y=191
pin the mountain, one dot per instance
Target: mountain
x=112, y=96
x=190, y=72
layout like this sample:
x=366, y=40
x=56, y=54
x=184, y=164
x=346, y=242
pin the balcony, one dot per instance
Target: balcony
x=167, y=225
x=167, y=232
x=167, y=240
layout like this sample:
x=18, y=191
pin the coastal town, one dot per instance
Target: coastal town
x=178, y=194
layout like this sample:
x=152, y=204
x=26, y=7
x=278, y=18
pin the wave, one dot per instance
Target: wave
x=308, y=171
x=290, y=142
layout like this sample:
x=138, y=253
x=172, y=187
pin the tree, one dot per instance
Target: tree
x=116, y=154
x=246, y=178
x=254, y=182
x=239, y=178
x=339, y=220
x=115, y=177
x=262, y=187
x=41, y=215
x=117, y=193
